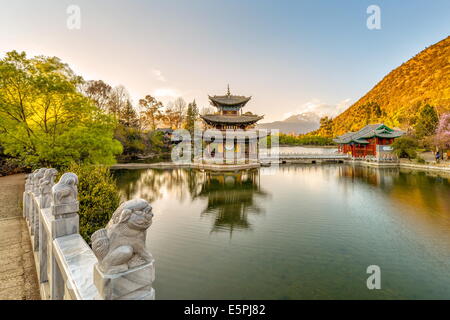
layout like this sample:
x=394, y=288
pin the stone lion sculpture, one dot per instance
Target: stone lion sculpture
x=121, y=245
x=45, y=185
x=29, y=182
x=65, y=191
x=37, y=176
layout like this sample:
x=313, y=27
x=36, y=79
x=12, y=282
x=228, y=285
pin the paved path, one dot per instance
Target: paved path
x=18, y=279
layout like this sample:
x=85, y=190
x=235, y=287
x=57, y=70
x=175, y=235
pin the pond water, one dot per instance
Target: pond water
x=296, y=232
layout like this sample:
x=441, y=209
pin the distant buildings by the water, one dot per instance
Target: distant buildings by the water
x=372, y=140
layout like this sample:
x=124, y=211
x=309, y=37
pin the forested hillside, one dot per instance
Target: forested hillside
x=395, y=100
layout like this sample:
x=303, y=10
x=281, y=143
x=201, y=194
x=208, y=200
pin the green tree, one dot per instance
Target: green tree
x=117, y=102
x=191, y=116
x=156, y=141
x=306, y=139
x=326, y=127
x=427, y=122
x=128, y=116
x=151, y=112
x=45, y=120
x=99, y=92
x=132, y=140
x=405, y=147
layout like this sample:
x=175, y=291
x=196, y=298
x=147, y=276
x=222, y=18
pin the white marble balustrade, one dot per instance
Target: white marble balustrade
x=67, y=267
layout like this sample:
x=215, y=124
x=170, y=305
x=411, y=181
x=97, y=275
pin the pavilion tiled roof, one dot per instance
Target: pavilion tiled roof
x=229, y=100
x=242, y=119
x=372, y=130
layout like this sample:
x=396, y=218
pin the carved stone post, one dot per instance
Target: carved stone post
x=30, y=201
x=125, y=269
x=37, y=176
x=46, y=184
x=45, y=187
x=28, y=204
x=25, y=196
x=64, y=208
x=36, y=201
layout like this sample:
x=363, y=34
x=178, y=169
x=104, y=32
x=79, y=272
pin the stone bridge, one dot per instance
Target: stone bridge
x=118, y=267
x=305, y=158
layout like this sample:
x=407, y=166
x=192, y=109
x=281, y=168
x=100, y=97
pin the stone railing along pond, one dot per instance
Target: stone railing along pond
x=117, y=267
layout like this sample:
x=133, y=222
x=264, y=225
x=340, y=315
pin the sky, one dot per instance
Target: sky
x=290, y=56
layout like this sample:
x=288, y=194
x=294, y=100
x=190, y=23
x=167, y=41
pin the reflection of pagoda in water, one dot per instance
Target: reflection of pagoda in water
x=243, y=147
x=230, y=196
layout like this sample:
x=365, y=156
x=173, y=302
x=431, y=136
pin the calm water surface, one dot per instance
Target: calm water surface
x=297, y=232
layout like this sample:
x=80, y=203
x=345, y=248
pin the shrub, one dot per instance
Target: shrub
x=312, y=140
x=98, y=196
x=427, y=122
x=405, y=147
x=420, y=160
x=10, y=166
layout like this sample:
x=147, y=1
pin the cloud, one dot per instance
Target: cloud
x=320, y=108
x=158, y=75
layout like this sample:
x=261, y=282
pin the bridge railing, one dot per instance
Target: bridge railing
x=331, y=156
x=383, y=158
x=67, y=267
x=293, y=155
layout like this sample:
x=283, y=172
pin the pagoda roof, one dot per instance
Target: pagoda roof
x=372, y=130
x=242, y=119
x=229, y=100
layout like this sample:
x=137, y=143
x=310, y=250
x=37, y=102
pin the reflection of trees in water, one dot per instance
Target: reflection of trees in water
x=427, y=190
x=229, y=195
x=153, y=183
x=378, y=177
x=127, y=181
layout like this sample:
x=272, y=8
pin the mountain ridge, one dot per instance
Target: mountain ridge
x=423, y=79
x=298, y=123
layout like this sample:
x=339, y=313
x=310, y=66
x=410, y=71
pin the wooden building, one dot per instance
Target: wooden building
x=229, y=116
x=366, y=141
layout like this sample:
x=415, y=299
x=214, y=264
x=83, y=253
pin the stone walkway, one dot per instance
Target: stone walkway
x=18, y=279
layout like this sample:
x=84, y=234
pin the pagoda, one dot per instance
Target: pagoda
x=229, y=116
x=229, y=113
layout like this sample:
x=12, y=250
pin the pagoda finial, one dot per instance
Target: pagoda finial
x=228, y=91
